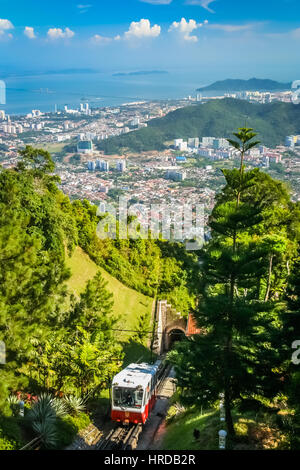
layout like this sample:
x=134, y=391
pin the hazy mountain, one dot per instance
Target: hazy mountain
x=254, y=84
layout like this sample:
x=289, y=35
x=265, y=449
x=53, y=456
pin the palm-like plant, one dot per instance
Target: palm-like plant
x=13, y=400
x=43, y=415
x=47, y=430
x=74, y=404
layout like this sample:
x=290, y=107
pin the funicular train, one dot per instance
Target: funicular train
x=134, y=392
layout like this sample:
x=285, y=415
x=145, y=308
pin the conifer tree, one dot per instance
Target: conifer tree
x=238, y=353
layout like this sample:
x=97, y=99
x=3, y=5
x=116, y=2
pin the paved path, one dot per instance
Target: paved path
x=158, y=414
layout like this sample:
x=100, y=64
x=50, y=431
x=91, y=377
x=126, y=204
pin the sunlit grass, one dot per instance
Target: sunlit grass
x=129, y=305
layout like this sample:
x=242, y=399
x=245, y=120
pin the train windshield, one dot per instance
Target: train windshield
x=128, y=397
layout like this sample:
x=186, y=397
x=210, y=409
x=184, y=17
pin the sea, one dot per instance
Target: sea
x=50, y=91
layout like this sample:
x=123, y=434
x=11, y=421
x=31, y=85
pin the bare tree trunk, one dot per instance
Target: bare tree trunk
x=269, y=279
x=228, y=352
x=241, y=177
x=228, y=415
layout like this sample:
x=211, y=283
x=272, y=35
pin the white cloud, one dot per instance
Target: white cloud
x=157, y=2
x=292, y=34
x=84, y=8
x=202, y=3
x=296, y=33
x=98, y=39
x=4, y=36
x=58, y=33
x=185, y=28
x=5, y=24
x=29, y=32
x=142, y=29
x=232, y=28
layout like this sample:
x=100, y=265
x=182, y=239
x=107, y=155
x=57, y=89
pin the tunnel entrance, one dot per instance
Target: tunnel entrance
x=174, y=336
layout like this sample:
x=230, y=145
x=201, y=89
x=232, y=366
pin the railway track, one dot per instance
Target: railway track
x=121, y=438
x=126, y=437
x=164, y=375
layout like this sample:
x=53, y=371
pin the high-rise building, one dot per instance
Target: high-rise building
x=220, y=144
x=177, y=142
x=91, y=166
x=193, y=142
x=266, y=162
x=290, y=141
x=135, y=122
x=205, y=152
x=121, y=166
x=102, y=165
x=85, y=146
x=105, y=166
x=176, y=175
x=207, y=141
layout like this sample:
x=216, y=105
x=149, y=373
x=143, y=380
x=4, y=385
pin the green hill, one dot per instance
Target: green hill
x=218, y=118
x=254, y=84
x=129, y=305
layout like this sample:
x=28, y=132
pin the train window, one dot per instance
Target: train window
x=139, y=397
x=129, y=397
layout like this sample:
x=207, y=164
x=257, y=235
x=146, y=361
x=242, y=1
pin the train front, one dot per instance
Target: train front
x=130, y=394
x=127, y=405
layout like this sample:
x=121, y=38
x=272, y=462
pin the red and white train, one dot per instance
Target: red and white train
x=134, y=392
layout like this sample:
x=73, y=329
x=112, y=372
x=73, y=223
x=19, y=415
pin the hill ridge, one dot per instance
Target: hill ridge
x=253, y=84
x=216, y=118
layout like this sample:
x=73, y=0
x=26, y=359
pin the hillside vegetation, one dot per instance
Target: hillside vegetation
x=67, y=296
x=216, y=118
x=254, y=431
x=129, y=305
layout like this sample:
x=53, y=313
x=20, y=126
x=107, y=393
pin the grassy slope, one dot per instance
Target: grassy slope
x=129, y=305
x=253, y=432
x=179, y=433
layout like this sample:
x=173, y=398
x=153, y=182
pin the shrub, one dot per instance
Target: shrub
x=10, y=433
x=175, y=411
x=67, y=428
x=7, y=444
x=81, y=421
x=65, y=432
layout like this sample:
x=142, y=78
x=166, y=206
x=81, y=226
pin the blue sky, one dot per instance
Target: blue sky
x=255, y=38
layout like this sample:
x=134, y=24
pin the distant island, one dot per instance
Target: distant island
x=254, y=84
x=142, y=72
